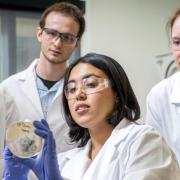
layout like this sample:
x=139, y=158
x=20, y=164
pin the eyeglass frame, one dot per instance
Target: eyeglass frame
x=106, y=82
x=59, y=35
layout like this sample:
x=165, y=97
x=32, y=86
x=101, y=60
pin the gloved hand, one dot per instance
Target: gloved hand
x=45, y=166
x=13, y=169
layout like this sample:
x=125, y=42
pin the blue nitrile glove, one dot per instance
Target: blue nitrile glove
x=13, y=170
x=45, y=166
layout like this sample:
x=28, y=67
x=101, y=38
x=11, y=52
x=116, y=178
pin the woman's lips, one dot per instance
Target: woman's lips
x=82, y=109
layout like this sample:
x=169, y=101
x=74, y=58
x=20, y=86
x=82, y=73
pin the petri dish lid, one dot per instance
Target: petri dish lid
x=21, y=139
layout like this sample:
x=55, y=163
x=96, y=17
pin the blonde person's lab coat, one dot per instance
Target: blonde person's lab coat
x=132, y=152
x=8, y=114
x=163, y=111
x=22, y=86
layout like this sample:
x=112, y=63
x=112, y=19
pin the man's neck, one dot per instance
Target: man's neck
x=51, y=72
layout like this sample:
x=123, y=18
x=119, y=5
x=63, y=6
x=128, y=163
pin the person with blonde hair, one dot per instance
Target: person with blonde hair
x=163, y=101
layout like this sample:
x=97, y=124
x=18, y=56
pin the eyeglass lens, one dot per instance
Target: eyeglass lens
x=65, y=37
x=89, y=85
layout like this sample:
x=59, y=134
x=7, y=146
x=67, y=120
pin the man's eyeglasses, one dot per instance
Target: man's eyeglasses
x=66, y=38
x=175, y=44
x=89, y=85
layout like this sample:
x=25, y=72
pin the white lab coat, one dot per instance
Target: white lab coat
x=132, y=152
x=22, y=87
x=163, y=111
x=8, y=114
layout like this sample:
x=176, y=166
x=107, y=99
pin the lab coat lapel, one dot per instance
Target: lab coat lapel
x=100, y=167
x=79, y=160
x=29, y=87
x=108, y=153
x=59, y=92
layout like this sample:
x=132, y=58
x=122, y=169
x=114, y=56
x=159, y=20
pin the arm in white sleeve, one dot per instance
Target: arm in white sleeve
x=151, y=159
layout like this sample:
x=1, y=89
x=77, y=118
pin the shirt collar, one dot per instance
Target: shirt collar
x=40, y=84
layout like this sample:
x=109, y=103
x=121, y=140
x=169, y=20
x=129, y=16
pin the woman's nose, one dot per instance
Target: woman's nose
x=80, y=94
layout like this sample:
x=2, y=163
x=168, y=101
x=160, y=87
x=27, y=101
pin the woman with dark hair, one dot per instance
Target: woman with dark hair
x=125, y=105
x=101, y=110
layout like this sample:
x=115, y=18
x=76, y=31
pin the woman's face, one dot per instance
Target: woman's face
x=176, y=41
x=94, y=102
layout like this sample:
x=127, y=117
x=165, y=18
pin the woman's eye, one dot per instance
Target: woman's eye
x=72, y=90
x=91, y=85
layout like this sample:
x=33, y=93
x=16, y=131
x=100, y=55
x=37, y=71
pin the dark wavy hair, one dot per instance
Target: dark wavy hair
x=127, y=105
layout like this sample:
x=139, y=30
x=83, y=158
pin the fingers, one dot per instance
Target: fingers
x=51, y=145
x=42, y=133
x=7, y=153
x=45, y=123
x=42, y=128
x=41, y=125
x=15, y=161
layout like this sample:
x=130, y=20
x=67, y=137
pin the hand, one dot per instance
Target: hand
x=45, y=166
x=14, y=170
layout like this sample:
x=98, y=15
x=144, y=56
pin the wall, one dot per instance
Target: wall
x=133, y=32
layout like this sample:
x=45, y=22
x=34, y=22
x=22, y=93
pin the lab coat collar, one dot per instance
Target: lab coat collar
x=27, y=78
x=59, y=84
x=24, y=75
x=117, y=133
x=109, y=152
x=175, y=95
x=60, y=90
x=28, y=82
x=82, y=162
x=79, y=160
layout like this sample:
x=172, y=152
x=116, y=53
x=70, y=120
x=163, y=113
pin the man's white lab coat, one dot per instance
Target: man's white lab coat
x=22, y=86
x=132, y=152
x=8, y=114
x=163, y=111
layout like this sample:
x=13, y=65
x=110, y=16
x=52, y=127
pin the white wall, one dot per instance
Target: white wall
x=133, y=32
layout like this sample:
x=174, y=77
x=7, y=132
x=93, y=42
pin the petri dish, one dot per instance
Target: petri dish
x=21, y=139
